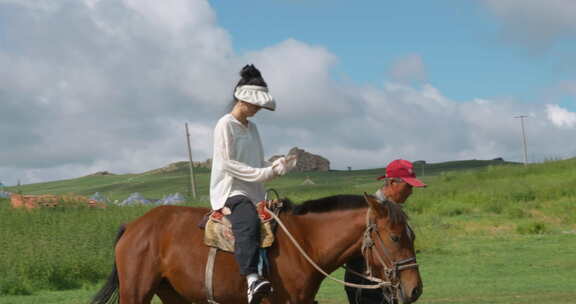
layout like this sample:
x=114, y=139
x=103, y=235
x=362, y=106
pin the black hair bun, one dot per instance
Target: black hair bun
x=249, y=71
x=251, y=76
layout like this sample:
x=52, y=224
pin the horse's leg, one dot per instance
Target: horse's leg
x=168, y=295
x=137, y=272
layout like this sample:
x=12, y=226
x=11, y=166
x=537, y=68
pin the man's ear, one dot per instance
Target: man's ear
x=374, y=205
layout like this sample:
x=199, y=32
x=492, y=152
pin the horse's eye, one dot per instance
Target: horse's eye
x=395, y=238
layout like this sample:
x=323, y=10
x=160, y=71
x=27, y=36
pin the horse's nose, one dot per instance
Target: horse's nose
x=416, y=292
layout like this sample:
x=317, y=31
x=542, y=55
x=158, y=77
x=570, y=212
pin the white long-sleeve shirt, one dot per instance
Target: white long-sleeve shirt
x=238, y=166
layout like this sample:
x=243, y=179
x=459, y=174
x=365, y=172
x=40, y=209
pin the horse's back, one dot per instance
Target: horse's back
x=164, y=227
x=166, y=213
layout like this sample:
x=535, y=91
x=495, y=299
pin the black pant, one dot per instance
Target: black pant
x=246, y=230
x=358, y=295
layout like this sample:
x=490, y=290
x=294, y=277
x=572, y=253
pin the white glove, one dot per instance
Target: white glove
x=279, y=166
x=283, y=165
x=291, y=161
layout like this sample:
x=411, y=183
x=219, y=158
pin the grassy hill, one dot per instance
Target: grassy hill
x=497, y=234
x=154, y=184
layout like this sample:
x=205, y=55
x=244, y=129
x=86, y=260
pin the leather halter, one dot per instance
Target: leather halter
x=392, y=269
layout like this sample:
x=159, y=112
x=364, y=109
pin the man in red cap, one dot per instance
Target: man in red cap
x=398, y=183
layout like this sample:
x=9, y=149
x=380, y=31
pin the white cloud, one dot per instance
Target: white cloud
x=177, y=16
x=409, y=69
x=535, y=23
x=43, y=5
x=112, y=82
x=561, y=117
x=568, y=87
x=298, y=75
x=108, y=85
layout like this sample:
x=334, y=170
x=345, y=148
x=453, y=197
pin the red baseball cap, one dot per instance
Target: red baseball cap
x=404, y=170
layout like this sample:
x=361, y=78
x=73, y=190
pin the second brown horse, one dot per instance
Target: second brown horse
x=162, y=253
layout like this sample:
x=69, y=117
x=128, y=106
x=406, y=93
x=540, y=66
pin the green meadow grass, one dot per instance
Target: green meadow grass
x=514, y=269
x=507, y=269
x=155, y=185
x=498, y=234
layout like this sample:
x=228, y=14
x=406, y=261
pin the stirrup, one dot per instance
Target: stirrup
x=258, y=290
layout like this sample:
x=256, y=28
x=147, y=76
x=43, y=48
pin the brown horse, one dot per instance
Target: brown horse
x=163, y=253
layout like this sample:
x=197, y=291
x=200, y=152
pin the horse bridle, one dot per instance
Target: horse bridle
x=392, y=272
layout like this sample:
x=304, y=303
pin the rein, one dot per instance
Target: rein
x=368, y=244
x=380, y=282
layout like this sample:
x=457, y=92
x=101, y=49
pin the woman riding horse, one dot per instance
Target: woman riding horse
x=163, y=253
x=238, y=171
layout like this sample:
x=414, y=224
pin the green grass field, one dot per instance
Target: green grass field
x=497, y=234
x=155, y=184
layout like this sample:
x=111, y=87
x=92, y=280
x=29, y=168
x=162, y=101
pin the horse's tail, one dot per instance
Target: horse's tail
x=109, y=292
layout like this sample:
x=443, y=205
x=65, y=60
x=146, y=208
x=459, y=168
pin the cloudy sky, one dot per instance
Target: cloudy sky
x=90, y=85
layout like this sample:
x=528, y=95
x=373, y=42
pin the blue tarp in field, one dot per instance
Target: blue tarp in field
x=134, y=199
x=5, y=194
x=172, y=199
x=99, y=198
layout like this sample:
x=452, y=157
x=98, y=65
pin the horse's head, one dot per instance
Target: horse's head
x=389, y=249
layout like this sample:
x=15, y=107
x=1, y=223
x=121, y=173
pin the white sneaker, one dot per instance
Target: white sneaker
x=258, y=290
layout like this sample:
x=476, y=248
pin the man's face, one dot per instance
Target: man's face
x=398, y=191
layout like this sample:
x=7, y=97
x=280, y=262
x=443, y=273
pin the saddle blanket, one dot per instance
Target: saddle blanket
x=218, y=230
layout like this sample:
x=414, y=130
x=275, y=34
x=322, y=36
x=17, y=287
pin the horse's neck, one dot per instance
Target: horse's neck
x=331, y=238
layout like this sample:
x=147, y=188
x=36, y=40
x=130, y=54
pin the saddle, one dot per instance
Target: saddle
x=218, y=235
x=218, y=229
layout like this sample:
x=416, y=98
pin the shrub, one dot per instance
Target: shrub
x=64, y=277
x=447, y=176
x=452, y=208
x=532, y=228
x=15, y=286
x=494, y=206
x=523, y=196
x=517, y=212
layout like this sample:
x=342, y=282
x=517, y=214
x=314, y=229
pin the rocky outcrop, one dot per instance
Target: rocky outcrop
x=181, y=165
x=306, y=161
x=101, y=173
x=205, y=164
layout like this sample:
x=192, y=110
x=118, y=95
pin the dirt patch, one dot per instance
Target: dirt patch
x=501, y=229
x=472, y=227
x=537, y=214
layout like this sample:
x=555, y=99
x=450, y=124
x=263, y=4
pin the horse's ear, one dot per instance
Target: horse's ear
x=374, y=204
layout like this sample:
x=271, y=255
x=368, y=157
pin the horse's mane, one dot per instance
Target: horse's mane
x=343, y=202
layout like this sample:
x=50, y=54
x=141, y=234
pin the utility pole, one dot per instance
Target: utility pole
x=523, y=138
x=192, y=176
